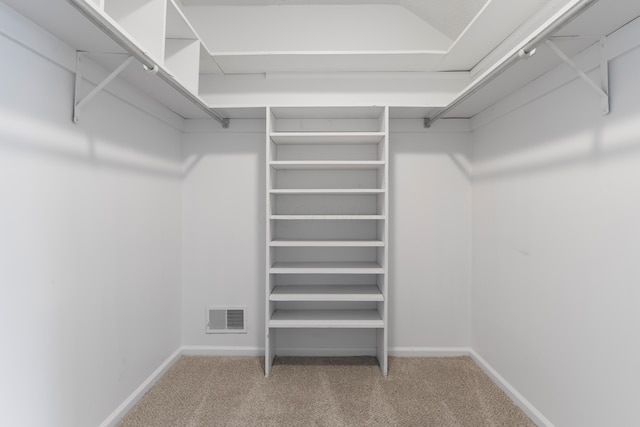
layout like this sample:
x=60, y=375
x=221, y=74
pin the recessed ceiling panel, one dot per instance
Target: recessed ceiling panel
x=493, y=24
x=448, y=16
x=311, y=28
x=326, y=62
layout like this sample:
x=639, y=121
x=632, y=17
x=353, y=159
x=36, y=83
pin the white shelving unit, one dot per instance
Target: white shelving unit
x=143, y=21
x=159, y=35
x=182, y=48
x=161, y=29
x=327, y=235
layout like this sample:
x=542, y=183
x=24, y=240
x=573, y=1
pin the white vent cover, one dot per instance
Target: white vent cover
x=227, y=320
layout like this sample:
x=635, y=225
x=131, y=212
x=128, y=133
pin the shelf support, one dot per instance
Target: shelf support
x=96, y=16
x=603, y=88
x=79, y=103
x=522, y=51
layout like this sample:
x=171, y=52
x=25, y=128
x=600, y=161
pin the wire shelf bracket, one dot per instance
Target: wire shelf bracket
x=603, y=88
x=79, y=103
x=91, y=12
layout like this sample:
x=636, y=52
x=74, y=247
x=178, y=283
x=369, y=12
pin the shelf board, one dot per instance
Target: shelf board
x=327, y=217
x=328, y=192
x=326, y=164
x=327, y=112
x=327, y=137
x=327, y=243
x=326, y=293
x=326, y=319
x=326, y=268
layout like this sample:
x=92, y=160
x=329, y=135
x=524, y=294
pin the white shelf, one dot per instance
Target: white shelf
x=326, y=268
x=351, y=112
x=143, y=22
x=328, y=192
x=327, y=217
x=326, y=319
x=182, y=60
x=327, y=164
x=326, y=293
x=178, y=26
x=328, y=243
x=327, y=137
x=339, y=167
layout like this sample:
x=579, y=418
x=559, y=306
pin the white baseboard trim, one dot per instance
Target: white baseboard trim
x=326, y=352
x=429, y=351
x=222, y=351
x=134, y=397
x=535, y=415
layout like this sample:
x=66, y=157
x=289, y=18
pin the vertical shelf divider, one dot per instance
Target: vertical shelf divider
x=270, y=339
x=144, y=22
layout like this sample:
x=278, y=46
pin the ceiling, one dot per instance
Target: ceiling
x=449, y=17
x=310, y=36
x=399, y=53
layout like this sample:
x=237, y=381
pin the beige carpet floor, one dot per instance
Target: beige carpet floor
x=350, y=391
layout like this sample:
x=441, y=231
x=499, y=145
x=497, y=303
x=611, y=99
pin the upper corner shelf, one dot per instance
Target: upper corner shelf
x=159, y=36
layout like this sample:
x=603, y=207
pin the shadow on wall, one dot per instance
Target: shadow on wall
x=130, y=143
x=429, y=235
x=433, y=144
x=572, y=134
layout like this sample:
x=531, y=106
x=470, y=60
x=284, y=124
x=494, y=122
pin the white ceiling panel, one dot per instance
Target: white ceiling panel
x=259, y=29
x=448, y=16
x=296, y=28
x=493, y=24
x=326, y=62
x=451, y=17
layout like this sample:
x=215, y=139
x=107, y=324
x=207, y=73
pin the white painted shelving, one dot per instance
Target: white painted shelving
x=327, y=137
x=327, y=234
x=160, y=36
x=330, y=165
x=326, y=293
x=326, y=319
x=328, y=217
x=327, y=243
x=330, y=192
x=326, y=268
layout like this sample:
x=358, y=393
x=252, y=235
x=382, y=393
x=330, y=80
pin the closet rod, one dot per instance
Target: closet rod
x=527, y=50
x=94, y=16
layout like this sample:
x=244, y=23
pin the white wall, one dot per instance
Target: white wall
x=224, y=232
x=89, y=247
x=223, y=228
x=556, y=244
x=430, y=233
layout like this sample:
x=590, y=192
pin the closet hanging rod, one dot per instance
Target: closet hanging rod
x=149, y=64
x=525, y=50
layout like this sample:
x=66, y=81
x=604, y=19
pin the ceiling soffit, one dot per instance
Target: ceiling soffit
x=450, y=17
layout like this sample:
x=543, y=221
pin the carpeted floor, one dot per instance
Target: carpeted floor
x=350, y=391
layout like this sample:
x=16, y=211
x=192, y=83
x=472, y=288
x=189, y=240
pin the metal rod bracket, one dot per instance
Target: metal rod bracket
x=603, y=88
x=427, y=122
x=79, y=103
